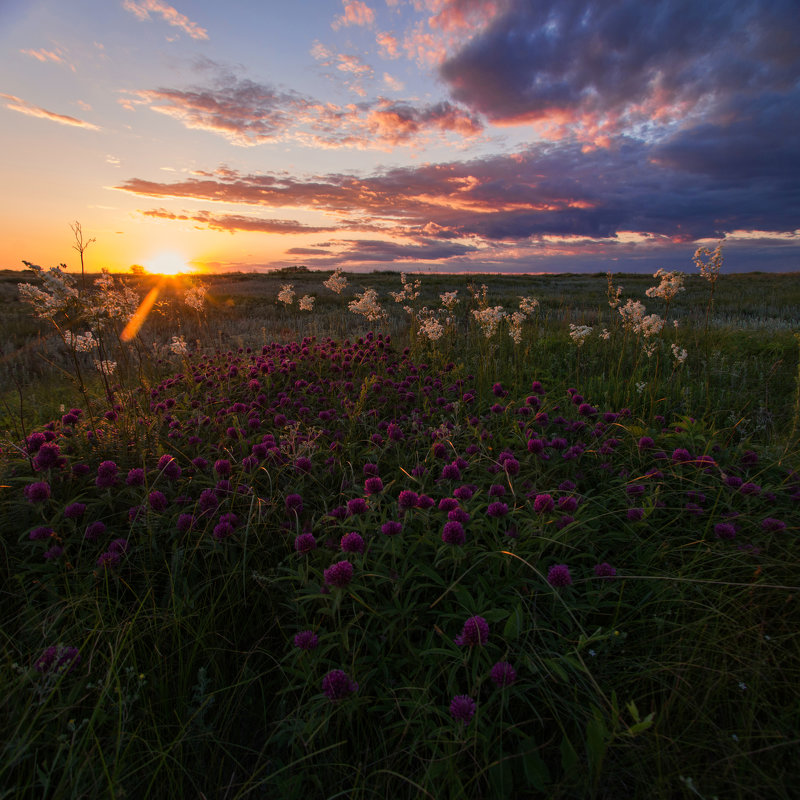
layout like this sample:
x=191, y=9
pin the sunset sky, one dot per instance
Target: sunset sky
x=442, y=135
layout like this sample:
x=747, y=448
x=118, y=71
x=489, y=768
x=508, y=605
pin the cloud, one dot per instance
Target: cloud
x=23, y=107
x=657, y=192
x=355, y=13
x=42, y=55
x=142, y=9
x=249, y=114
x=388, y=45
x=607, y=67
x=235, y=222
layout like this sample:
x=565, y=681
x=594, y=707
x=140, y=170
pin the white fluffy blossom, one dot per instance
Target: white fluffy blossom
x=489, y=318
x=306, y=302
x=709, y=262
x=83, y=343
x=670, y=284
x=367, y=305
x=679, y=354
x=579, y=333
x=286, y=294
x=106, y=367
x=336, y=283
x=178, y=346
x=195, y=297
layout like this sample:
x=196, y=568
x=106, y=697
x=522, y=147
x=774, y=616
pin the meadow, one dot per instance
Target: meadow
x=313, y=535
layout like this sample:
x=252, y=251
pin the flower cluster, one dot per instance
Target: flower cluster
x=368, y=306
x=336, y=283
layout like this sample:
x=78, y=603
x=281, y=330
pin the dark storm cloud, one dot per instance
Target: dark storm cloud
x=616, y=62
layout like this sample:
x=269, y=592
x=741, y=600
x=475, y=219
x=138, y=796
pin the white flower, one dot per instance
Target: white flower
x=679, y=354
x=515, y=326
x=178, y=346
x=605, y=334
x=670, y=284
x=306, y=302
x=641, y=386
x=431, y=328
x=449, y=299
x=489, y=318
x=82, y=343
x=106, y=367
x=336, y=283
x=367, y=305
x=527, y=305
x=286, y=294
x=709, y=262
x=579, y=333
x=195, y=297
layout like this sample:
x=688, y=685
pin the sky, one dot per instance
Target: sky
x=408, y=135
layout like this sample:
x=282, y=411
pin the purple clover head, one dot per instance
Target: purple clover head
x=474, y=632
x=58, y=659
x=357, y=505
x=497, y=509
x=558, y=576
x=373, y=485
x=294, y=503
x=543, y=503
x=462, y=708
x=407, y=499
x=37, y=492
x=337, y=685
x=305, y=543
x=391, y=528
x=772, y=525
x=306, y=640
x=503, y=674
x=353, y=543
x=339, y=574
x=453, y=533
x=157, y=500
x=604, y=570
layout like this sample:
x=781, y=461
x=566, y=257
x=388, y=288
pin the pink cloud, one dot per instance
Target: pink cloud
x=388, y=45
x=44, y=56
x=355, y=13
x=23, y=107
x=142, y=9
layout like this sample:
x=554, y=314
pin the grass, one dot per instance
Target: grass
x=182, y=573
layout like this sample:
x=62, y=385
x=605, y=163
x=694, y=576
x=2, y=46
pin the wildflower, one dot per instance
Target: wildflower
x=185, y=522
x=670, y=284
x=357, y=505
x=497, y=509
x=286, y=294
x=604, y=570
x=451, y=472
x=373, y=485
x=407, y=499
x=558, y=576
x=770, y=524
x=75, y=510
x=56, y=551
x=391, y=528
x=108, y=560
x=305, y=543
x=453, y=533
x=306, y=302
x=119, y=546
x=462, y=708
x=424, y=502
x=679, y=354
x=195, y=297
x=579, y=333
x=430, y=327
x=750, y=488
x=294, y=503
x=37, y=492
x=41, y=534
x=157, y=500
x=488, y=319
x=634, y=514
x=724, y=530
x=306, y=640
x=543, y=503
x=709, y=262
x=222, y=467
x=223, y=529
x=169, y=467
x=58, y=659
x=337, y=685
x=106, y=475
x=503, y=674
x=367, y=305
x=106, y=367
x=353, y=543
x=336, y=283
x=339, y=574
x=178, y=346
x=681, y=454
x=474, y=632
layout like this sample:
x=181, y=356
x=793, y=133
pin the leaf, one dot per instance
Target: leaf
x=569, y=758
x=536, y=773
x=513, y=626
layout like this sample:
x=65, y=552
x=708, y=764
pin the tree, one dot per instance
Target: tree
x=80, y=245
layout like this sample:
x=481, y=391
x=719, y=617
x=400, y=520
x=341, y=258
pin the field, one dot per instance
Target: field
x=528, y=540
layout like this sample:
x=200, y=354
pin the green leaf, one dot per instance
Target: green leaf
x=536, y=773
x=513, y=626
x=569, y=758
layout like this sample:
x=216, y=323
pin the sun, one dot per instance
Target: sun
x=167, y=262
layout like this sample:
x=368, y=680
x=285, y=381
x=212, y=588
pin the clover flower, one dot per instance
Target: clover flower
x=558, y=576
x=503, y=674
x=337, y=685
x=339, y=574
x=391, y=528
x=604, y=570
x=453, y=533
x=373, y=485
x=305, y=543
x=462, y=708
x=37, y=492
x=353, y=543
x=58, y=659
x=497, y=509
x=474, y=632
x=543, y=503
x=306, y=640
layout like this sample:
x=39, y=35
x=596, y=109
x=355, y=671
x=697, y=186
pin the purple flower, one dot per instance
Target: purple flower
x=305, y=543
x=222, y=467
x=535, y=445
x=106, y=475
x=567, y=504
x=108, y=560
x=462, y=708
x=222, y=530
x=451, y=472
x=294, y=503
x=474, y=632
x=425, y=502
x=58, y=659
x=407, y=499
x=339, y=574
x=40, y=534
x=558, y=576
x=49, y=455
x=337, y=685
x=681, y=454
x=503, y=674
x=750, y=488
x=497, y=509
x=448, y=504
x=373, y=485
x=303, y=464
x=306, y=640
x=169, y=467
x=370, y=469
x=771, y=524
x=645, y=443
x=543, y=503
x=185, y=522
x=358, y=505
x=37, y=492
x=135, y=477
x=511, y=466
x=391, y=528
x=56, y=551
x=453, y=533
x=634, y=514
x=118, y=546
x=353, y=543
x=604, y=570
x=463, y=492
x=157, y=500
x=497, y=490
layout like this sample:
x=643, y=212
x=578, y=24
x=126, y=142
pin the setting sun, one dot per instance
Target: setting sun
x=167, y=263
